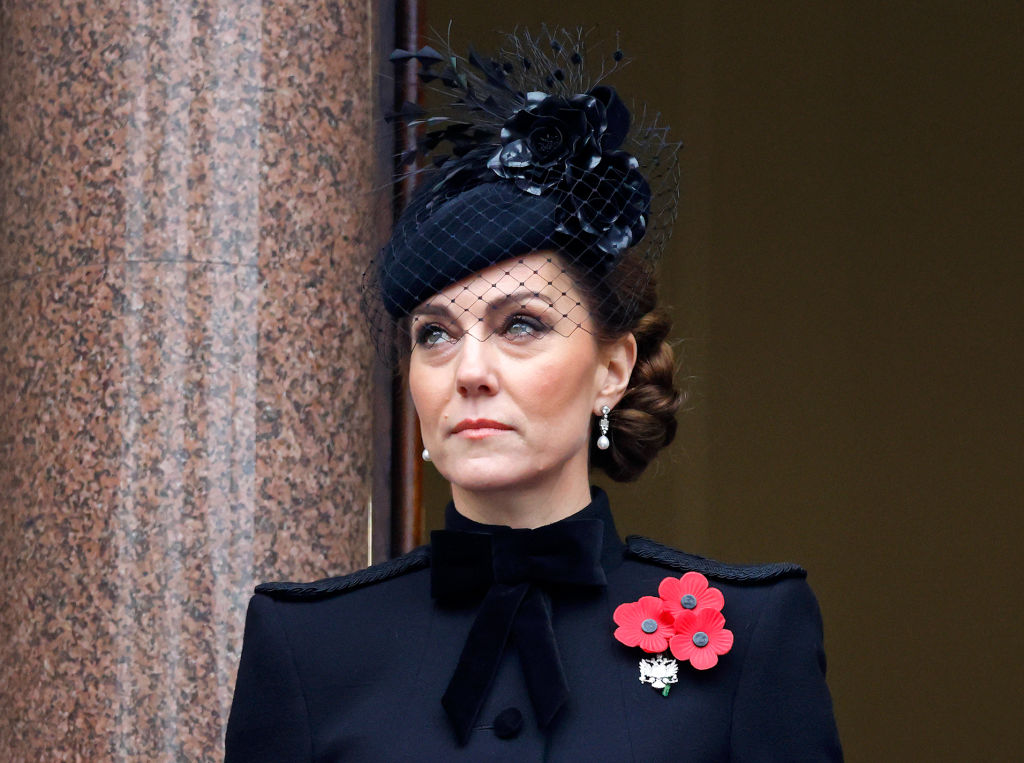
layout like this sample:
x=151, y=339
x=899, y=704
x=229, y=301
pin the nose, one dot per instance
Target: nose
x=476, y=373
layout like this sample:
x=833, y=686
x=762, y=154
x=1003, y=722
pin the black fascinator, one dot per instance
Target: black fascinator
x=531, y=150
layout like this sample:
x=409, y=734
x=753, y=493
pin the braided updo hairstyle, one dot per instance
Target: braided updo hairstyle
x=644, y=420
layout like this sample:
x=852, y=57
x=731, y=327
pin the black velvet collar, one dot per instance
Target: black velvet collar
x=509, y=573
x=612, y=547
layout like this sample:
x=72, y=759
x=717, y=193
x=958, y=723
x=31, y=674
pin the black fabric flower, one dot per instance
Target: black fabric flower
x=608, y=206
x=547, y=137
x=570, y=145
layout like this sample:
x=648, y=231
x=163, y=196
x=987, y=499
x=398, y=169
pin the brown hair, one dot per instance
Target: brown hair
x=644, y=421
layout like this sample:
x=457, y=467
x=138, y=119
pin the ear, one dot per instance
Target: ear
x=617, y=360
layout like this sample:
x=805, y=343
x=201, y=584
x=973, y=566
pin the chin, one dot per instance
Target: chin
x=482, y=480
x=488, y=473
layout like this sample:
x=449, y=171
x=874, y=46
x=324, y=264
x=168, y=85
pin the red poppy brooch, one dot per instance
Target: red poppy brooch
x=685, y=618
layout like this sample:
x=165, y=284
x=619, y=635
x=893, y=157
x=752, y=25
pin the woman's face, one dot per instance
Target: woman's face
x=506, y=373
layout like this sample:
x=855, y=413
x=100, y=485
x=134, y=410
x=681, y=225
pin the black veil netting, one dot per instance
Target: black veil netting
x=530, y=151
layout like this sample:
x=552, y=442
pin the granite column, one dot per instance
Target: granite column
x=188, y=199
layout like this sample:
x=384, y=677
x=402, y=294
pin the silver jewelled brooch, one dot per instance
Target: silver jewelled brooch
x=660, y=672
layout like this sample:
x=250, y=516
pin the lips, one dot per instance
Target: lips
x=479, y=427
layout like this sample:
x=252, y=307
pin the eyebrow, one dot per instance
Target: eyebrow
x=440, y=311
x=517, y=297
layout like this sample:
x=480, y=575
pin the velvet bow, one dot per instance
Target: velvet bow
x=510, y=569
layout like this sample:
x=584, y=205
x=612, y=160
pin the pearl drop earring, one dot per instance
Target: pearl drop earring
x=425, y=455
x=603, y=443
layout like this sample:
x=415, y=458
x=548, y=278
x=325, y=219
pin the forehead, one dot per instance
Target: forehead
x=540, y=275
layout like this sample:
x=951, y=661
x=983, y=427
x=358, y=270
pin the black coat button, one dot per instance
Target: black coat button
x=508, y=723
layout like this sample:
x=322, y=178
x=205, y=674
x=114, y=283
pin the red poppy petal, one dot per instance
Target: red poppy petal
x=702, y=659
x=628, y=636
x=682, y=647
x=652, y=642
x=693, y=582
x=651, y=606
x=709, y=619
x=672, y=607
x=720, y=641
x=668, y=589
x=686, y=621
x=711, y=599
x=625, y=613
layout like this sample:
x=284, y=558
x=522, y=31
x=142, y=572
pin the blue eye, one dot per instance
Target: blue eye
x=431, y=335
x=524, y=325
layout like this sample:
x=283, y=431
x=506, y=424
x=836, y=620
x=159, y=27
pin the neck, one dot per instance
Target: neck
x=524, y=506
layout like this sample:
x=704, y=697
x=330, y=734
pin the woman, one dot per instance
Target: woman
x=520, y=277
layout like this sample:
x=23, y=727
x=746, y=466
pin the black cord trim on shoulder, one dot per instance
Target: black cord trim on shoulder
x=416, y=559
x=649, y=550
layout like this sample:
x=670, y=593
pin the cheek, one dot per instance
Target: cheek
x=560, y=388
x=426, y=391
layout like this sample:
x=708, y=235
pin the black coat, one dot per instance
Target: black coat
x=353, y=668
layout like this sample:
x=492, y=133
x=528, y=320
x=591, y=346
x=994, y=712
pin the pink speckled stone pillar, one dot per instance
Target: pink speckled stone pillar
x=187, y=203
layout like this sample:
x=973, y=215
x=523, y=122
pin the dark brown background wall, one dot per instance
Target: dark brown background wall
x=845, y=277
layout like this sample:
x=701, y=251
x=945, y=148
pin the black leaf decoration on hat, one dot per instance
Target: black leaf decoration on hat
x=428, y=56
x=408, y=111
x=494, y=73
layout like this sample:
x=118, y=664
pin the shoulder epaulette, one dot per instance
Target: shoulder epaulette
x=649, y=550
x=416, y=559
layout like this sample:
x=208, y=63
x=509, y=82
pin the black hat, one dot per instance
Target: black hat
x=530, y=153
x=461, y=235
